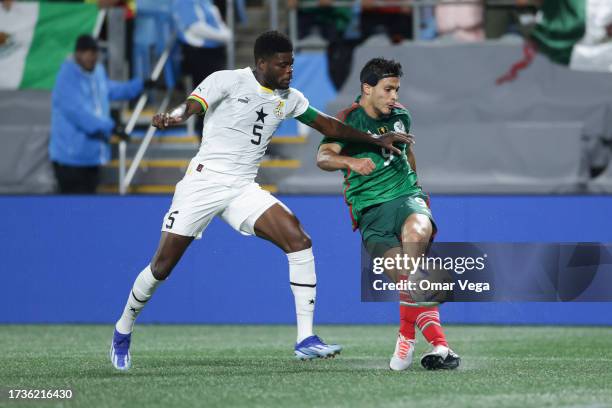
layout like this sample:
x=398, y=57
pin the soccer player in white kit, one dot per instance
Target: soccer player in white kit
x=242, y=109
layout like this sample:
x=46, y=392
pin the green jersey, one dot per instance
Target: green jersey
x=392, y=177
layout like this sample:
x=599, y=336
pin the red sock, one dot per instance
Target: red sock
x=428, y=321
x=407, y=319
x=407, y=315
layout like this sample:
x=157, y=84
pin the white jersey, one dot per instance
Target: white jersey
x=240, y=119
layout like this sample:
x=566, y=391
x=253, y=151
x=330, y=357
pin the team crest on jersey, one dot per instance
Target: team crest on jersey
x=279, y=110
x=382, y=130
x=399, y=126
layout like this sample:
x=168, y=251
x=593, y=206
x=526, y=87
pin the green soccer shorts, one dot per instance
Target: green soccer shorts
x=381, y=225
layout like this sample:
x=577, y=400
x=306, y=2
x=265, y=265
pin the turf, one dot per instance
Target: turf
x=252, y=366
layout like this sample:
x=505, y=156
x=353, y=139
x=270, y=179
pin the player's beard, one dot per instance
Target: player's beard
x=281, y=85
x=276, y=83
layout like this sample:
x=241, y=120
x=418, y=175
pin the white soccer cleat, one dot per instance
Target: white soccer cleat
x=440, y=358
x=402, y=357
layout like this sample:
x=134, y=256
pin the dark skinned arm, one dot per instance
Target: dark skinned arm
x=411, y=159
x=335, y=129
x=177, y=115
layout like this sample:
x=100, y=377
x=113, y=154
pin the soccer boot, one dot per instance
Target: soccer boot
x=313, y=347
x=120, y=351
x=402, y=357
x=440, y=358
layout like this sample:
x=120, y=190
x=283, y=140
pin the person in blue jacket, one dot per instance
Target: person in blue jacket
x=81, y=124
x=203, y=36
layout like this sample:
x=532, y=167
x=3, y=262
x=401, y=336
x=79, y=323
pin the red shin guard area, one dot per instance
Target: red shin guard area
x=426, y=319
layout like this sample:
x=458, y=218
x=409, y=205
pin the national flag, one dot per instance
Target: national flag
x=35, y=38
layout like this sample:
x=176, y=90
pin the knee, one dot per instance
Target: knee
x=418, y=230
x=161, y=267
x=297, y=240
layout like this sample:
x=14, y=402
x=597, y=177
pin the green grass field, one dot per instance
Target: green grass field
x=252, y=366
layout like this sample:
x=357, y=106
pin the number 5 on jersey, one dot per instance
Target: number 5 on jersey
x=257, y=132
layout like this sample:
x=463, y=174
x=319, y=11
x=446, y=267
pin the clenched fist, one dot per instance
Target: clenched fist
x=363, y=166
x=164, y=120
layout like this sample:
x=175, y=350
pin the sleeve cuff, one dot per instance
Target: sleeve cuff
x=308, y=116
x=200, y=100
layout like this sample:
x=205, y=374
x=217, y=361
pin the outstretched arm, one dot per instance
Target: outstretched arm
x=334, y=129
x=177, y=115
x=330, y=159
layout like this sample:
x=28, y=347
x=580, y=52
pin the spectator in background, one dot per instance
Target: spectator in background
x=81, y=125
x=461, y=22
x=505, y=19
x=321, y=15
x=203, y=36
x=239, y=9
x=7, y=4
x=428, y=29
x=395, y=21
x=331, y=23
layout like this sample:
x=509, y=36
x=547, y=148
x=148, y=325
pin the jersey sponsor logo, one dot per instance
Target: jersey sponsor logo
x=279, y=110
x=399, y=126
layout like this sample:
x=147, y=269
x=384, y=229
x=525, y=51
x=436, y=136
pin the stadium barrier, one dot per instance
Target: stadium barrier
x=73, y=259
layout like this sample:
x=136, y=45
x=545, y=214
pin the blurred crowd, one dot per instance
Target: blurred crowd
x=338, y=26
x=342, y=25
x=473, y=21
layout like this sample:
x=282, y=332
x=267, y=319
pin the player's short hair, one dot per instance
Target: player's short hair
x=270, y=43
x=378, y=68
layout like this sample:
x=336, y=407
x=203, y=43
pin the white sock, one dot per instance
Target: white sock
x=303, y=282
x=143, y=289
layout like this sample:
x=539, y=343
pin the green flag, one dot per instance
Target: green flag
x=561, y=27
x=35, y=38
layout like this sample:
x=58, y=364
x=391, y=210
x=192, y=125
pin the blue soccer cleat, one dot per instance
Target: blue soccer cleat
x=313, y=347
x=120, y=351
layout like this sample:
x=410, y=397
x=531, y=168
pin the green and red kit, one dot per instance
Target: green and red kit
x=392, y=177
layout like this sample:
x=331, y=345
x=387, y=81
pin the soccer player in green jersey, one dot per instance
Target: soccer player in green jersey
x=387, y=204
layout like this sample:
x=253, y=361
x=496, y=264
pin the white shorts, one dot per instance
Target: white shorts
x=199, y=197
